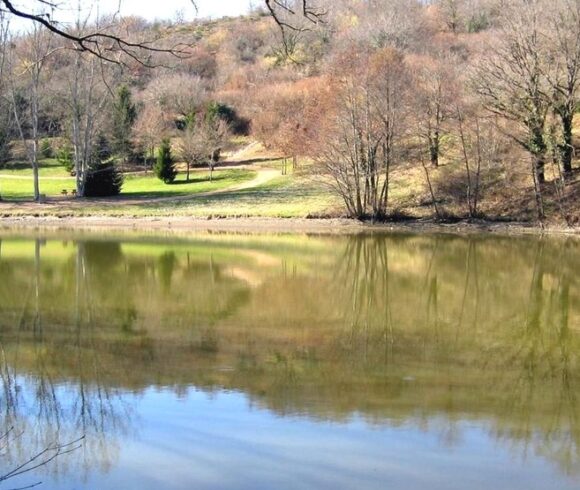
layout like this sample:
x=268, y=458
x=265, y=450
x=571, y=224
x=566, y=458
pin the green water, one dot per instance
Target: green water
x=220, y=361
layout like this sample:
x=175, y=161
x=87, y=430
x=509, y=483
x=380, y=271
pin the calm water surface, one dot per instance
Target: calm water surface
x=220, y=361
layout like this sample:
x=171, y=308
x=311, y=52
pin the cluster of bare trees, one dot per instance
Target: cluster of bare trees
x=486, y=88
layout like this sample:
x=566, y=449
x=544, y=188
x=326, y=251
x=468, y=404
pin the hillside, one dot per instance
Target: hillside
x=441, y=137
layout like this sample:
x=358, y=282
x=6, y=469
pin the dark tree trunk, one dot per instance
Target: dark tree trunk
x=434, y=149
x=538, y=149
x=540, y=164
x=434, y=153
x=566, y=149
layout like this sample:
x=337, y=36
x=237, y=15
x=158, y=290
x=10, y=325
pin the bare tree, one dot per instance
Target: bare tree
x=86, y=93
x=363, y=140
x=295, y=17
x=179, y=94
x=5, y=122
x=451, y=11
x=512, y=82
x=434, y=91
x=194, y=147
x=28, y=69
x=202, y=141
x=150, y=129
x=564, y=76
x=38, y=460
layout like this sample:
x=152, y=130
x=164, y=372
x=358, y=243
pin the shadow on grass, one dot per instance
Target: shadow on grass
x=20, y=165
x=266, y=196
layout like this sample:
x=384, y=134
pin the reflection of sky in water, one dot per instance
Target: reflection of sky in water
x=221, y=441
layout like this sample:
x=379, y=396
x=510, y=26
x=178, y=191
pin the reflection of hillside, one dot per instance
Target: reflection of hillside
x=397, y=328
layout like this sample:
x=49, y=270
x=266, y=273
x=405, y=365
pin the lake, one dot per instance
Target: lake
x=232, y=361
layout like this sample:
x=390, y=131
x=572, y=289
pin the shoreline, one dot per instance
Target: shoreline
x=323, y=226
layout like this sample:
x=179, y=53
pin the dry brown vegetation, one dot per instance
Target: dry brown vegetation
x=448, y=108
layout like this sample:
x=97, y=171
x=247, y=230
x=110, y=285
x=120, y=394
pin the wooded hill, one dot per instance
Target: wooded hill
x=448, y=108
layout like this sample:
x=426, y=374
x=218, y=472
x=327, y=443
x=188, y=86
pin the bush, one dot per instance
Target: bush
x=46, y=148
x=165, y=166
x=104, y=181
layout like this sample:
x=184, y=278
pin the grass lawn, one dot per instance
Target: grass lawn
x=283, y=197
x=19, y=185
x=148, y=186
x=22, y=187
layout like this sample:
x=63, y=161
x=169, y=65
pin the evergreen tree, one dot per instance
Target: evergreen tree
x=165, y=166
x=102, y=149
x=103, y=180
x=124, y=116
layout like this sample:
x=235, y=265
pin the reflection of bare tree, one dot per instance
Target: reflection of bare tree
x=422, y=314
x=40, y=460
x=46, y=413
x=544, y=356
x=364, y=270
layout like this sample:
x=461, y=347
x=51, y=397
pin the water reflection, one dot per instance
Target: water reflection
x=432, y=331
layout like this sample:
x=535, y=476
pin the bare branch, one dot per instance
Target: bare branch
x=100, y=44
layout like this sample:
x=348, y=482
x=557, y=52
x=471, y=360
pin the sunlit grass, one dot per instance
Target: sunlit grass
x=135, y=186
x=284, y=197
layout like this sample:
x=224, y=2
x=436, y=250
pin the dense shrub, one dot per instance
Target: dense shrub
x=104, y=181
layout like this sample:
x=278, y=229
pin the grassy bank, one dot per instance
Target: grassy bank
x=259, y=190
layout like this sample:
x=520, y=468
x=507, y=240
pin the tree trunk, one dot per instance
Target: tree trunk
x=537, y=147
x=536, y=166
x=187, y=178
x=433, y=199
x=539, y=167
x=36, y=180
x=434, y=149
x=35, y=142
x=566, y=149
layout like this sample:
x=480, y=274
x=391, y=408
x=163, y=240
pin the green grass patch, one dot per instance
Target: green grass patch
x=22, y=188
x=149, y=186
x=135, y=187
